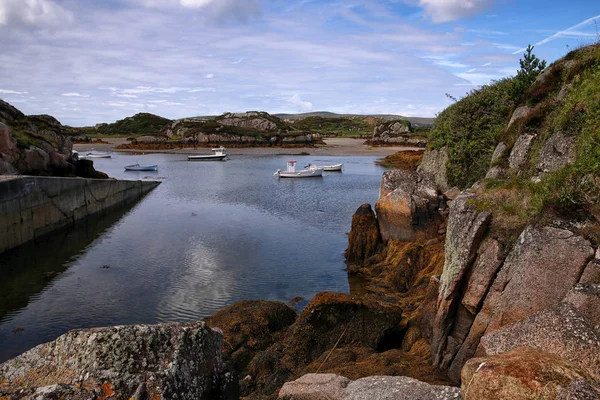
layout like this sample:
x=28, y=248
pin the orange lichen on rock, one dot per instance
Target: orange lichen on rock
x=409, y=160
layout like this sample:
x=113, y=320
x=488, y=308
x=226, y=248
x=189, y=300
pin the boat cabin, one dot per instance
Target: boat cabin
x=219, y=151
x=291, y=166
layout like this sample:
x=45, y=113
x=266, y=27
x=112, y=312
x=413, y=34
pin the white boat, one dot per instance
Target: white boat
x=95, y=155
x=138, y=167
x=333, y=167
x=219, y=154
x=291, y=172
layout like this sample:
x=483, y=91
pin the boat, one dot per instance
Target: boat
x=333, y=167
x=291, y=172
x=95, y=155
x=218, y=155
x=138, y=167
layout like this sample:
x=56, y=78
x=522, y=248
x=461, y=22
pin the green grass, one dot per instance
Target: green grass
x=338, y=127
x=142, y=123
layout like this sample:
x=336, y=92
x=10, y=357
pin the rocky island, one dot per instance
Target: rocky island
x=481, y=270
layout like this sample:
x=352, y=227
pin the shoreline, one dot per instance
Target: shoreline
x=332, y=147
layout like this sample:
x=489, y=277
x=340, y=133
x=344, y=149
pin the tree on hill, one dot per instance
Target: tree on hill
x=531, y=67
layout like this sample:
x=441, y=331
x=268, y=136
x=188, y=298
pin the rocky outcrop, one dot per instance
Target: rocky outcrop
x=435, y=162
x=585, y=298
x=180, y=361
x=558, y=151
x=397, y=132
x=408, y=201
x=335, y=387
x=364, y=239
x=465, y=230
x=519, y=113
x=542, y=267
x=526, y=373
x=261, y=121
x=520, y=151
x=8, y=113
x=250, y=326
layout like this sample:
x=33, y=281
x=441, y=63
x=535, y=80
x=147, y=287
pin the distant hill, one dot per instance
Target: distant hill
x=417, y=121
x=142, y=123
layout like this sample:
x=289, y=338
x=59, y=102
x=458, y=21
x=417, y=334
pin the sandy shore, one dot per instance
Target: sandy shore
x=332, y=147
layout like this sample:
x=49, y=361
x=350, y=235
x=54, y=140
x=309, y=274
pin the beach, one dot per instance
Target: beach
x=332, y=147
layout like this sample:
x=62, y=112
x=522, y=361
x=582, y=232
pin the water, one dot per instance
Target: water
x=211, y=234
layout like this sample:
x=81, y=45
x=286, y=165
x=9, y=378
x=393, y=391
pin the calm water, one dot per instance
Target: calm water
x=211, y=234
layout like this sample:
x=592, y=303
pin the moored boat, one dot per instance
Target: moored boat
x=138, y=167
x=218, y=155
x=95, y=155
x=333, y=167
x=291, y=172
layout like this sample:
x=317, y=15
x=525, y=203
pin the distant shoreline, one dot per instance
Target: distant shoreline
x=332, y=147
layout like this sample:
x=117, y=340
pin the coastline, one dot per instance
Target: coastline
x=332, y=147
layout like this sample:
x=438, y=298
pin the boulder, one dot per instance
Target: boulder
x=252, y=119
x=336, y=319
x=525, y=373
x=557, y=152
x=8, y=113
x=496, y=172
x=8, y=144
x=519, y=113
x=591, y=274
x=167, y=361
x=36, y=160
x=519, y=154
x=364, y=239
x=85, y=169
x=249, y=326
x=585, y=298
x=435, y=162
x=498, y=153
x=335, y=387
x=559, y=330
x=543, y=266
x=315, y=387
x=407, y=202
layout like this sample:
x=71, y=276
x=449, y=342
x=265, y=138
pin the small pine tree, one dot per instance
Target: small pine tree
x=531, y=67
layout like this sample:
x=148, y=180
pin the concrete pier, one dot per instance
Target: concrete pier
x=31, y=206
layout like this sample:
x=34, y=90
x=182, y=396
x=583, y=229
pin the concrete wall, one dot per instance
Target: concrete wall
x=31, y=207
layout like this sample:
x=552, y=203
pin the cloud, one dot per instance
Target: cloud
x=449, y=10
x=33, y=12
x=304, y=105
x=214, y=10
x=209, y=76
x=569, y=32
x=5, y=91
x=74, y=95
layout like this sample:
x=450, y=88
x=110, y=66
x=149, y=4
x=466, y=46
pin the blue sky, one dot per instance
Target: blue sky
x=86, y=62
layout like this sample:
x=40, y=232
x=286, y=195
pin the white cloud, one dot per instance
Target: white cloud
x=74, y=95
x=5, y=91
x=449, y=10
x=209, y=76
x=33, y=12
x=451, y=64
x=213, y=10
x=304, y=105
x=129, y=96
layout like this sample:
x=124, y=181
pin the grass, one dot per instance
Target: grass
x=337, y=127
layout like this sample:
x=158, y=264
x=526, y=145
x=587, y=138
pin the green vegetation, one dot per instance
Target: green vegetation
x=564, y=99
x=142, y=123
x=339, y=127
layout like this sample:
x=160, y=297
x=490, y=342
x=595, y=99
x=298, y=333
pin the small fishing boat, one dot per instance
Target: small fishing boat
x=95, y=155
x=291, y=172
x=138, y=167
x=218, y=155
x=333, y=167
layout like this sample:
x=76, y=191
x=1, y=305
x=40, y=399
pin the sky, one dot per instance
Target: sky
x=86, y=62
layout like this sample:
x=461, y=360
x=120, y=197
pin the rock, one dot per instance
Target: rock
x=496, y=173
x=335, y=387
x=557, y=152
x=488, y=262
x=543, y=266
x=559, y=330
x=85, y=169
x=150, y=139
x=364, y=239
x=435, y=162
x=8, y=144
x=591, y=274
x=36, y=160
x=524, y=373
x=465, y=229
x=452, y=193
x=519, y=113
x=252, y=119
x=315, y=387
x=519, y=153
x=171, y=360
x=563, y=91
x=8, y=113
x=249, y=326
x=498, y=153
x=407, y=203
x=336, y=318
x=585, y=298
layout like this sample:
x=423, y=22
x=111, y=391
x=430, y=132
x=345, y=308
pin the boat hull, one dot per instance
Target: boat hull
x=308, y=173
x=141, y=168
x=207, y=158
x=334, y=167
x=95, y=156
